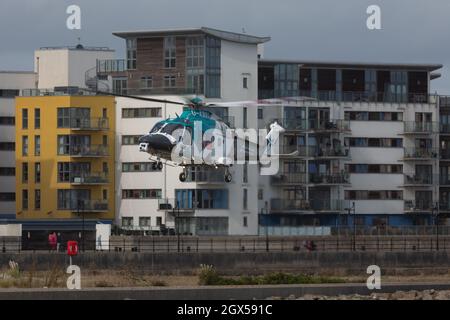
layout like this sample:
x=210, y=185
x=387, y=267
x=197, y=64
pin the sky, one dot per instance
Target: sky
x=413, y=31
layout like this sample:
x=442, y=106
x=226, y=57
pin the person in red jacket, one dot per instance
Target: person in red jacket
x=52, y=241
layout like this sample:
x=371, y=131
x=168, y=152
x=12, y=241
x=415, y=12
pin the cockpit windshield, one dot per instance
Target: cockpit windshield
x=157, y=127
x=171, y=127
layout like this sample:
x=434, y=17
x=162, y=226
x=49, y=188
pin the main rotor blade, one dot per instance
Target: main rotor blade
x=138, y=98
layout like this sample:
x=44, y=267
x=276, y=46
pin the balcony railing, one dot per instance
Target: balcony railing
x=444, y=180
x=351, y=96
x=87, y=178
x=420, y=154
x=316, y=205
x=412, y=127
x=289, y=178
x=206, y=176
x=89, y=151
x=329, y=125
x=445, y=154
x=111, y=66
x=293, y=124
x=444, y=101
x=418, y=205
x=418, y=179
x=90, y=206
x=444, y=128
x=315, y=151
x=85, y=124
x=327, y=179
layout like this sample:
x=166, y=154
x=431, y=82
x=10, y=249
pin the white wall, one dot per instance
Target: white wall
x=66, y=67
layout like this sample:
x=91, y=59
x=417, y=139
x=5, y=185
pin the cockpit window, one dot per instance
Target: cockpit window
x=157, y=127
x=171, y=127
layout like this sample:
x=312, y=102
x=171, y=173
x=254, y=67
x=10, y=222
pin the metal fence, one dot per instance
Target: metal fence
x=167, y=244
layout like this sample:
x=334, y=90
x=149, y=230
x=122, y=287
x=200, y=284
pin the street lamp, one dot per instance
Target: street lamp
x=435, y=214
x=350, y=210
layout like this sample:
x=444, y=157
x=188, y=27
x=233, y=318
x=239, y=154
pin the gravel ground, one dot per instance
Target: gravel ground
x=399, y=295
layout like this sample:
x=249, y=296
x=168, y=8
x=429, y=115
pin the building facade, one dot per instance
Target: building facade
x=65, y=160
x=11, y=82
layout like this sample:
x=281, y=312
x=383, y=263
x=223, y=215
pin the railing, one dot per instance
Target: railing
x=110, y=66
x=315, y=151
x=89, y=151
x=90, y=206
x=329, y=125
x=445, y=154
x=418, y=179
x=289, y=178
x=316, y=205
x=302, y=151
x=444, y=128
x=421, y=127
x=205, y=176
x=444, y=101
x=418, y=205
x=341, y=178
x=175, y=207
x=89, y=178
x=351, y=96
x=63, y=91
x=444, y=180
x=420, y=153
x=293, y=124
x=89, y=124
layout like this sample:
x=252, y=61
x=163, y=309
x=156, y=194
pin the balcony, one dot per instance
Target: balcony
x=420, y=128
x=444, y=180
x=420, y=154
x=302, y=151
x=331, y=152
x=444, y=128
x=445, y=154
x=111, y=66
x=329, y=126
x=418, y=180
x=89, y=124
x=90, y=206
x=418, y=206
x=444, y=101
x=322, y=205
x=289, y=178
x=329, y=179
x=292, y=124
x=170, y=205
x=87, y=178
x=89, y=151
x=206, y=176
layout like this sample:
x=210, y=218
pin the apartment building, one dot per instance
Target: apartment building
x=64, y=160
x=11, y=82
x=218, y=65
x=367, y=137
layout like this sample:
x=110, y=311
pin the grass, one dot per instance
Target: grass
x=208, y=276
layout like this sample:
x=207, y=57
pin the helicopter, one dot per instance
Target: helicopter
x=173, y=141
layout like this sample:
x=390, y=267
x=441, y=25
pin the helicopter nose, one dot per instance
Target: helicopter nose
x=157, y=142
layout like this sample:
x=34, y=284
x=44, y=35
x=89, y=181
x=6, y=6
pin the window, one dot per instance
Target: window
x=120, y=85
x=260, y=194
x=245, y=83
x=105, y=194
x=74, y=199
x=196, y=82
x=7, y=146
x=146, y=82
x=64, y=145
x=25, y=146
x=244, y=110
x=37, y=172
x=260, y=113
x=131, y=54
x=105, y=113
x=213, y=67
x=24, y=118
x=169, y=81
x=142, y=194
x=130, y=140
x=24, y=172
x=373, y=195
x=37, y=145
x=7, y=172
x=169, y=52
x=24, y=199
x=37, y=199
x=195, y=56
x=245, y=173
x=141, y=113
x=127, y=221
x=140, y=167
x=202, y=198
x=63, y=117
x=104, y=140
x=63, y=172
x=144, y=221
x=159, y=221
x=245, y=222
x=7, y=197
x=245, y=200
x=37, y=118
x=9, y=93
x=7, y=121
x=376, y=142
x=375, y=168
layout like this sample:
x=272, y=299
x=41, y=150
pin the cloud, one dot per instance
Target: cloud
x=413, y=30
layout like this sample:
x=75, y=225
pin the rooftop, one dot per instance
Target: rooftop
x=340, y=64
x=225, y=35
x=78, y=47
